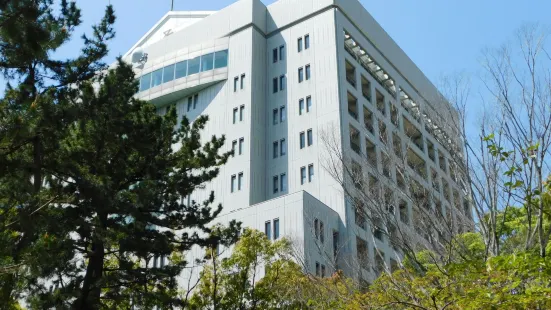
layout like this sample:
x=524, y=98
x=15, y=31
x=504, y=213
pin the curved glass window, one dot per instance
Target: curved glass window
x=181, y=69
x=207, y=62
x=221, y=59
x=184, y=68
x=145, y=82
x=157, y=78
x=193, y=65
x=168, y=73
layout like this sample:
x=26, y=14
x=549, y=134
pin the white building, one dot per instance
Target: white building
x=273, y=79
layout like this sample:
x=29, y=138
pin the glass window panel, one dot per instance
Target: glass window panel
x=181, y=69
x=207, y=62
x=168, y=73
x=221, y=59
x=276, y=229
x=193, y=65
x=145, y=82
x=157, y=78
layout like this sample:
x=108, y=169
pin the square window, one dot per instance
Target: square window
x=282, y=114
x=300, y=106
x=274, y=55
x=306, y=41
x=235, y=115
x=302, y=140
x=300, y=75
x=302, y=175
x=308, y=104
x=282, y=82
x=275, y=116
x=241, y=112
x=233, y=181
x=307, y=72
x=283, y=182
x=282, y=52
x=268, y=230
x=276, y=149
x=310, y=173
x=310, y=137
x=242, y=81
x=241, y=145
x=283, y=147
x=299, y=43
x=240, y=181
x=276, y=184
x=276, y=229
x=275, y=87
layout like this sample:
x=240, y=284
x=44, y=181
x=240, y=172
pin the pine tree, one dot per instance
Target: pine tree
x=91, y=180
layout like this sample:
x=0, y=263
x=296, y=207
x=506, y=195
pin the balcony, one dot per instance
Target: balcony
x=417, y=164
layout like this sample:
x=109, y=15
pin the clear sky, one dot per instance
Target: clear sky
x=442, y=37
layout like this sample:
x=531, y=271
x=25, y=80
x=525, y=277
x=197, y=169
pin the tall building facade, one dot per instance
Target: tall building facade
x=278, y=81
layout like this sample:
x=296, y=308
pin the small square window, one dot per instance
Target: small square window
x=306, y=42
x=276, y=149
x=275, y=116
x=302, y=175
x=283, y=147
x=283, y=182
x=274, y=55
x=276, y=184
x=235, y=115
x=268, y=230
x=240, y=181
x=275, y=86
x=233, y=181
x=276, y=229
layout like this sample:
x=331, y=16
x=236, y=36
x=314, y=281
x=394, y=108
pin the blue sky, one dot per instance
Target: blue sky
x=440, y=36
